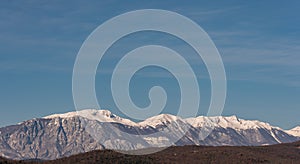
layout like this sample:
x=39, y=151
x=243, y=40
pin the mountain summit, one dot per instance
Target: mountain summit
x=295, y=131
x=66, y=134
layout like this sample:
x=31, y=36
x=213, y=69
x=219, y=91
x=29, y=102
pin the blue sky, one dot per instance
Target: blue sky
x=259, y=42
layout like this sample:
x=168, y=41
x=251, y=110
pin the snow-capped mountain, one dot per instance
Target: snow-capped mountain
x=66, y=134
x=228, y=122
x=92, y=114
x=295, y=131
x=161, y=119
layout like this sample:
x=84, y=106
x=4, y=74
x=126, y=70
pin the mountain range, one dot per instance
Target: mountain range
x=62, y=135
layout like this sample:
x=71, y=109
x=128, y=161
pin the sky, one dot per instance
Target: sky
x=259, y=42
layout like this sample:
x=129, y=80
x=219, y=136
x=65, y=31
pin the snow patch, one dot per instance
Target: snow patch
x=93, y=114
x=228, y=122
x=161, y=119
x=294, y=132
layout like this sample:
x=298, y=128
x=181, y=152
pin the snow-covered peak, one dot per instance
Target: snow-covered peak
x=295, y=131
x=87, y=112
x=160, y=120
x=93, y=114
x=227, y=122
x=201, y=121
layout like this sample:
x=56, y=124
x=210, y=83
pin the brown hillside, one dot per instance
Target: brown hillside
x=282, y=153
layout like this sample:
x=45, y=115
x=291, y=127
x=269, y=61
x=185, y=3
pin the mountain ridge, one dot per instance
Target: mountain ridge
x=294, y=131
x=87, y=114
x=61, y=135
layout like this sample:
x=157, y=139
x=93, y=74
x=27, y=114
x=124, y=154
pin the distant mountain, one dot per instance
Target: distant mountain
x=60, y=135
x=295, y=131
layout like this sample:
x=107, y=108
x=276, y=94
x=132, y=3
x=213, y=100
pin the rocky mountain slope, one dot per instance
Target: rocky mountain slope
x=61, y=135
